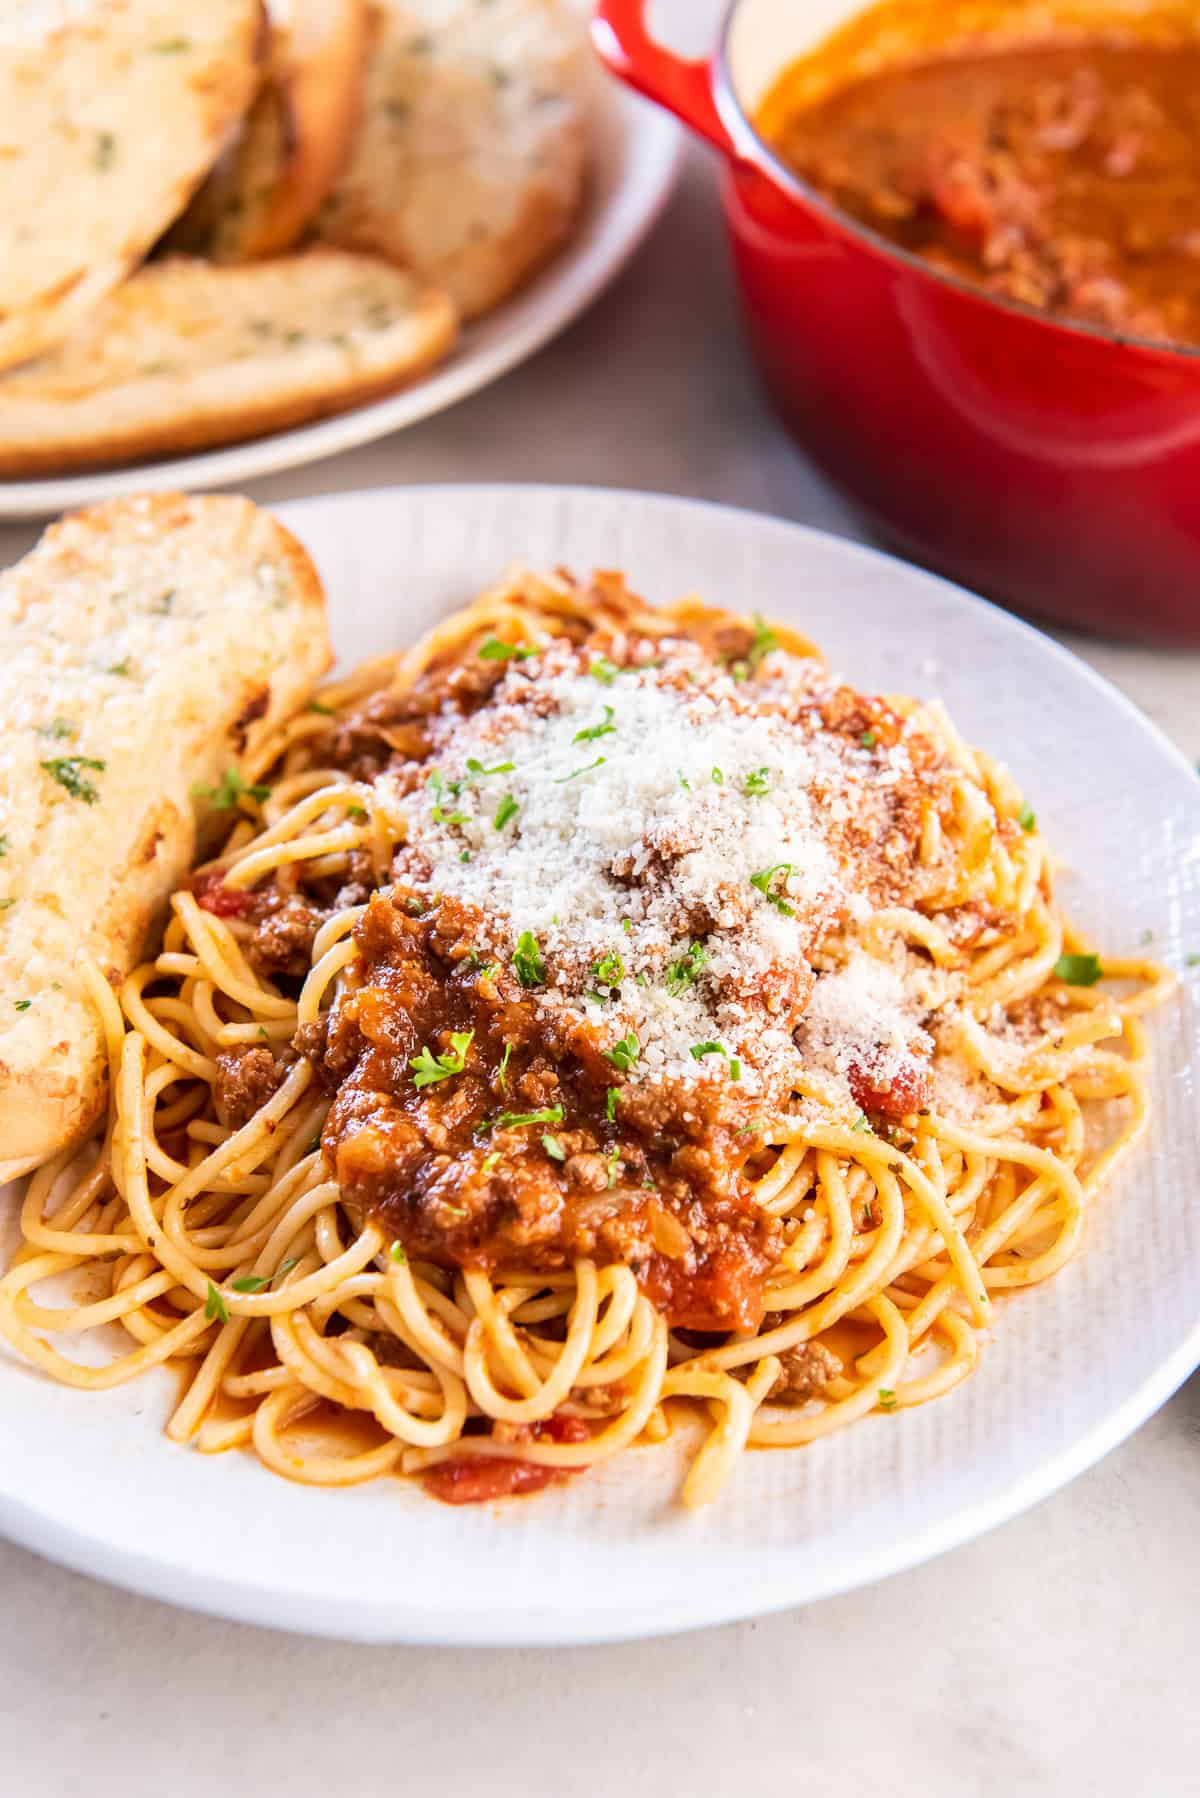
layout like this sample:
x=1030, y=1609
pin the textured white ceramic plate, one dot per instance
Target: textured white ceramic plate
x=635, y=156
x=1070, y=1369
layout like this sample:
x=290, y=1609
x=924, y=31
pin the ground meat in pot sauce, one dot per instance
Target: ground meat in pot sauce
x=1066, y=176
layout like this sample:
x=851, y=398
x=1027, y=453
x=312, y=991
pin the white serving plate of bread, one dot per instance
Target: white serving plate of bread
x=366, y=214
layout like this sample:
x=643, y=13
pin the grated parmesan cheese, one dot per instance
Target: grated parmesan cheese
x=671, y=839
x=861, y=1017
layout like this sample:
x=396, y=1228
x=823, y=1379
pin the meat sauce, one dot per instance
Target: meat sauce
x=1063, y=176
x=514, y=1161
x=477, y=1479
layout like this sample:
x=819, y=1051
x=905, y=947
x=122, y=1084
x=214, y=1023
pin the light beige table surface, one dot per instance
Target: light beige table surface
x=1057, y=1655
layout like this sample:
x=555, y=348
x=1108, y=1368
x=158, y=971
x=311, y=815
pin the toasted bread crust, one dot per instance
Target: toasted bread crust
x=187, y=355
x=469, y=166
x=80, y=202
x=266, y=190
x=202, y=679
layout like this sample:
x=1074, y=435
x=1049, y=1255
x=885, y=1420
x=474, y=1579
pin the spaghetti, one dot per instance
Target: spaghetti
x=593, y=1014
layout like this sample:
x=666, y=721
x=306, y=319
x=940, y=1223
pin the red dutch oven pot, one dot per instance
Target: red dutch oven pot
x=1053, y=466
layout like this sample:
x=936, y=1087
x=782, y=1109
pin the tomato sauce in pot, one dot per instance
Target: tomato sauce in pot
x=1065, y=176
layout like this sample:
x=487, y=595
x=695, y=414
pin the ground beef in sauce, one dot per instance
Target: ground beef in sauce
x=283, y=937
x=805, y=1371
x=246, y=1079
x=457, y=1189
x=1066, y=177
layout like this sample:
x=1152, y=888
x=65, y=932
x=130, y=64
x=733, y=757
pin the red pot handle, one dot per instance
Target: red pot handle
x=684, y=88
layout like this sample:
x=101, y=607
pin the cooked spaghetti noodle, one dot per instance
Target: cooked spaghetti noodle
x=594, y=1014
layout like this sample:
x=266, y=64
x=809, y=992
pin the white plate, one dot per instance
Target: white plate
x=1070, y=1368
x=635, y=156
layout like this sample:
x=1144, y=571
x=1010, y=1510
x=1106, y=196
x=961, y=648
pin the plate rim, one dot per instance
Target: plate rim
x=421, y=1622
x=552, y=301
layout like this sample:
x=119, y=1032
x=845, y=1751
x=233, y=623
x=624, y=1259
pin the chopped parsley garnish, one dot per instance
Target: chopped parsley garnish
x=3, y=847
x=1027, y=818
x=868, y=1215
x=491, y=1161
x=171, y=46
x=762, y=880
x=507, y=808
x=396, y=1253
x=527, y=960
x=481, y=773
x=58, y=728
x=1191, y=961
x=887, y=1399
x=1146, y=937
x=614, y=1162
x=627, y=925
x=698, y=1051
x=165, y=601
x=868, y=739
x=257, y=1282
x=106, y=149
x=554, y=1148
x=231, y=789
x=68, y=771
x=603, y=670
x=764, y=642
x=611, y=1100
x=431, y=1068
x=317, y=705
x=313, y=1144
x=6, y=903
x=357, y=812
x=516, y=1120
x=454, y=1210
x=22, y=1004
x=862, y=1125
x=682, y=973
x=437, y=786
x=757, y=783
x=576, y=772
x=625, y=1053
x=1078, y=970
x=502, y=1070
x=718, y=778
x=122, y=667
x=609, y=970
x=493, y=650
x=215, y=1306
x=464, y=855
x=595, y=731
